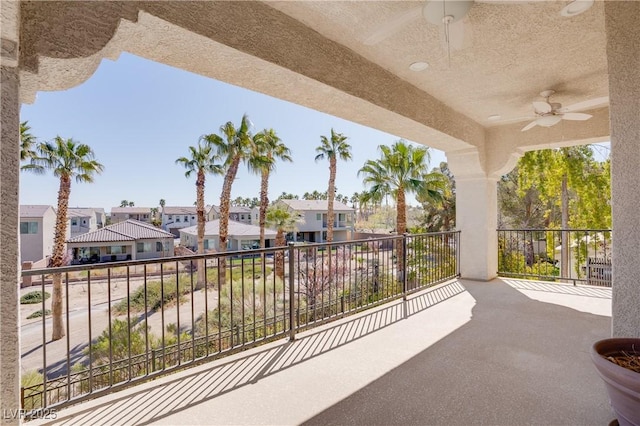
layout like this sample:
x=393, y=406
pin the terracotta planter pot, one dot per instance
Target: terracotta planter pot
x=623, y=385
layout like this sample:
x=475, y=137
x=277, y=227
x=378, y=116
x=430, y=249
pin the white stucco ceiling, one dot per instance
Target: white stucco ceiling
x=512, y=51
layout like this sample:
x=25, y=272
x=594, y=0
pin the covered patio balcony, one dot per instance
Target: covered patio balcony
x=507, y=351
x=470, y=103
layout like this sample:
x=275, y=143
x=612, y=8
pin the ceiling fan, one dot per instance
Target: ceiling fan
x=447, y=14
x=551, y=113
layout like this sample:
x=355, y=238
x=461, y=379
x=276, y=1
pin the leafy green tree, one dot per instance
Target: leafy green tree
x=67, y=159
x=519, y=208
x=283, y=220
x=571, y=181
x=332, y=148
x=270, y=149
x=200, y=161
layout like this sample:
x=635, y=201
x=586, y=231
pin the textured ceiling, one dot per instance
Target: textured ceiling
x=511, y=51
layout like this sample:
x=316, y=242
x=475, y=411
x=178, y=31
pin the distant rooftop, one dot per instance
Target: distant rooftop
x=128, y=230
x=234, y=209
x=181, y=210
x=34, y=210
x=134, y=210
x=83, y=211
x=235, y=228
x=316, y=205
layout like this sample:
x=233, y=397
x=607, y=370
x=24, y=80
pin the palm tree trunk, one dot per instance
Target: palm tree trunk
x=330, y=195
x=264, y=203
x=279, y=255
x=200, y=181
x=564, y=250
x=401, y=228
x=57, y=258
x=225, y=201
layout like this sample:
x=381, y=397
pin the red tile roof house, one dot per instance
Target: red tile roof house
x=128, y=240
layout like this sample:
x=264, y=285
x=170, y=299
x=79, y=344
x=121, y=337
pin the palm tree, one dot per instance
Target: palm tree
x=162, y=203
x=67, y=159
x=402, y=169
x=235, y=146
x=200, y=161
x=333, y=148
x=269, y=149
x=27, y=142
x=283, y=220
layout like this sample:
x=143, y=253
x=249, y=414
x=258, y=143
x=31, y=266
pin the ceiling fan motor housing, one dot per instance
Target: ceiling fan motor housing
x=435, y=11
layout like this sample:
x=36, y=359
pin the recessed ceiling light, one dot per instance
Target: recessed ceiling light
x=418, y=66
x=493, y=117
x=576, y=7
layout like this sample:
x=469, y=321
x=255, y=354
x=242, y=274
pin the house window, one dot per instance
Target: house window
x=177, y=219
x=241, y=217
x=193, y=218
x=28, y=227
x=84, y=221
x=116, y=249
x=143, y=247
x=186, y=218
x=74, y=222
x=159, y=246
x=146, y=216
x=318, y=216
x=170, y=217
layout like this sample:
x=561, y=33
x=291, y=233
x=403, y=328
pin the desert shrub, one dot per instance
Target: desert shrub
x=33, y=297
x=157, y=294
x=38, y=313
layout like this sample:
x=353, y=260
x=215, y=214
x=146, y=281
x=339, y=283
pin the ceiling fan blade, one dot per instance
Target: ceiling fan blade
x=591, y=103
x=577, y=116
x=542, y=107
x=529, y=126
x=393, y=25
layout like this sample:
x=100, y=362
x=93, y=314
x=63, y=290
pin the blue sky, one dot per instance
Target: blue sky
x=139, y=116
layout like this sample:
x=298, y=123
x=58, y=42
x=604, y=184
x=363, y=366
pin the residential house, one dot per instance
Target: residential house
x=313, y=228
x=175, y=218
x=236, y=213
x=37, y=229
x=83, y=220
x=242, y=236
x=127, y=240
x=141, y=214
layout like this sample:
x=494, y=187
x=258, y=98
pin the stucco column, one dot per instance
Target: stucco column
x=623, y=56
x=476, y=172
x=476, y=214
x=9, y=255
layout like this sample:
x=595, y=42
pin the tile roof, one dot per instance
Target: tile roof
x=180, y=210
x=129, y=230
x=236, y=229
x=34, y=210
x=233, y=209
x=319, y=205
x=134, y=210
x=80, y=212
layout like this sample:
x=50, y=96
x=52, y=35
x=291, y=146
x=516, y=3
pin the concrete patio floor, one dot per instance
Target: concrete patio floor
x=505, y=352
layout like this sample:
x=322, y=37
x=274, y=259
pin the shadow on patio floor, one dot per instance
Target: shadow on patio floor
x=151, y=402
x=518, y=361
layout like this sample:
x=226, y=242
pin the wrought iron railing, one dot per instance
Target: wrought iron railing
x=578, y=256
x=129, y=321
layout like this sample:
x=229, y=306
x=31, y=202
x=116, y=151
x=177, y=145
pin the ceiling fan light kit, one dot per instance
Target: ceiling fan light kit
x=576, y=8
x=551, y=113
